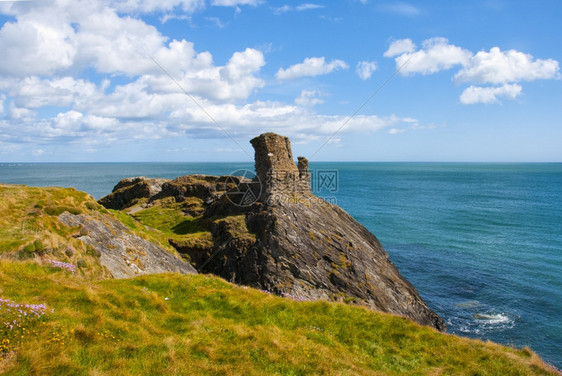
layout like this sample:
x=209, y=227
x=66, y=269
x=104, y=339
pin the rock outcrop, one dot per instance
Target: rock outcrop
x=274, y=234
x=124, y=254
x=130, y=190
x=310, y=249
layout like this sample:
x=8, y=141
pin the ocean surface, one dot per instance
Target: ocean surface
x=482, y=242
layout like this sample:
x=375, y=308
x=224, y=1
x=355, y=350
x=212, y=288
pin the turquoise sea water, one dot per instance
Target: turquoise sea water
x=481, y=242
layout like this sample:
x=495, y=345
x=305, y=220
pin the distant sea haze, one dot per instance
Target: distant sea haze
x=481, y=242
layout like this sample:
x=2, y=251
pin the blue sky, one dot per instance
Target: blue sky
x=195, y=80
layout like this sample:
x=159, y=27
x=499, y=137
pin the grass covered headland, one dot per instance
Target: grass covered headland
x=61, y=315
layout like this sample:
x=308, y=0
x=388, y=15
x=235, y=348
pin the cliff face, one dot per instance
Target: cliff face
x=272, y=233
x=310, y=249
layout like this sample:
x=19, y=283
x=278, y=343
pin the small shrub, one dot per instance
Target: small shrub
x=38, y=245
x=81, y=263
x=69, y=251
x=30, y=248
x=92, y=251
x=91, y=206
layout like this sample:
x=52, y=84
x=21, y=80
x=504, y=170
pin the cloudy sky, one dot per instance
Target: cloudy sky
x=347, y=80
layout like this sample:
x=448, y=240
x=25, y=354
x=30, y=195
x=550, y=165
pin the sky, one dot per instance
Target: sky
x=346, y=80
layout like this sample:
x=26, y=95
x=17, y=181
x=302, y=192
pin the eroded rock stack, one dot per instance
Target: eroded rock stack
x=310, y=249
x=276, y=168
x=285, y=240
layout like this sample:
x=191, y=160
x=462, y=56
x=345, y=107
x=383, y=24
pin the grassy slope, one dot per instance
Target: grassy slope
x=171, y=324
x=29, y=225
x=201, y=325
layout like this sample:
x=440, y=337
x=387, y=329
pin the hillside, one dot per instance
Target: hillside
x=197, y=325
x=74, y=320
x=272, y=233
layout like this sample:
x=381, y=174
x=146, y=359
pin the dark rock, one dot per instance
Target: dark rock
x=130, y=190
x=206, y=187
x=309, y=249
x=272, y=233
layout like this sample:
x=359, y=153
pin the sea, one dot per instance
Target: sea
x=481, y=242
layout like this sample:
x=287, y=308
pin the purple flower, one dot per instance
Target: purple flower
x=63, y=265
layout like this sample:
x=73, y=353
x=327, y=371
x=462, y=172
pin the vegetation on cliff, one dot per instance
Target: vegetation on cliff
x=202, y=325
x=76, y=321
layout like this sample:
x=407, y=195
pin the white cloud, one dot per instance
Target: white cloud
x=476, y=94
x=129, y=96
x=88, y=35
x=311, y=66
x=400, y=8
x=365, y=69
x=148, y=6
x=299, y=8
x=309, y=98
x=396, y=130
x=308, y=6
x=217, y=22
x=282, y=9
x=400, y=46
x=32, y=46
x=235, y=3
x=436, y=55
x=21, y=113
x=33, y=92
x=497, y=67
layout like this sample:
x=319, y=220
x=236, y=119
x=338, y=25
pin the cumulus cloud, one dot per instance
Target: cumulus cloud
x=299, y=8
x=148, y=6
x=498, y=67
x=311, y=66
x=235, y=3
x=436, y=55
x=34, y=92
x=308, y=6
x=503, y=69
x=400, y=46
x=400, y=8
x=32, y=46
x=62, y=40
x=309, y=98
x=476, y=94
x=85, y=74
x=365, y=69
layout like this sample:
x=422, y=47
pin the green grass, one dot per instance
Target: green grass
x=169, y=218
x=196, y=324
x=29, y=226
x=151, y=234
x=201, y=325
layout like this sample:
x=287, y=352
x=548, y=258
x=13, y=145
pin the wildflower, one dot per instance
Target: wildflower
x=63, y=265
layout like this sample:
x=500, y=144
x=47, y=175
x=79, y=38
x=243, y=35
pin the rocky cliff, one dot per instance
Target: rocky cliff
x=272, y=233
